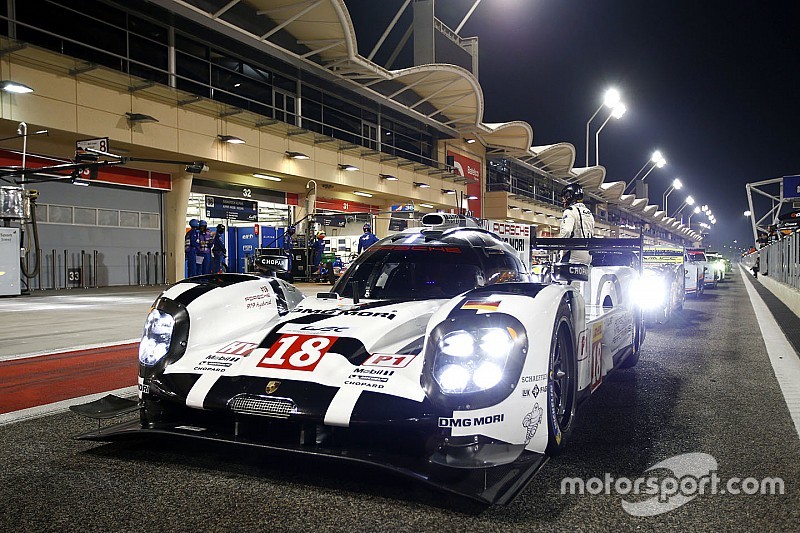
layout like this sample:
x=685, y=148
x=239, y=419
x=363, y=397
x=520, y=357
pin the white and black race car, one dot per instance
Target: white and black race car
x=434, y=356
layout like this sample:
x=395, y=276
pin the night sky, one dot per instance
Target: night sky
x=713, y=84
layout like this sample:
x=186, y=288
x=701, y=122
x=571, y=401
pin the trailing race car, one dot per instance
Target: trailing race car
x=433, y=357
x=717, y=263
x=662, y=286
x=697, y=256
x=695, y=270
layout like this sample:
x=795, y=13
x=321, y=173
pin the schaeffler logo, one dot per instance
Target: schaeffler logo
x=671, y=484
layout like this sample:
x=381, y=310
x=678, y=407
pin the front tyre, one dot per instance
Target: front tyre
x=561, y=382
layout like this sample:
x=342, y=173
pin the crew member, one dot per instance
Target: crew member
x=368, y=239
x=318, y=249
x=288, y=245
x=192, y=246
x=204, y=254
x=218, y=251
x=577, y=222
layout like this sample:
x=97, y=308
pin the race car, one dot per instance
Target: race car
x=697, y=256
x=433, y=357
x=662, y=286
x=695, y=272
x=718, y=265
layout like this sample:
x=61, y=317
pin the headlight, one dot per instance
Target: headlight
x=157, y=337
x=650, y=292
x=474, y=361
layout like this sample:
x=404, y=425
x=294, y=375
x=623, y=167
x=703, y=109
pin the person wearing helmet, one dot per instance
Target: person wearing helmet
x=204, y=254
x=368, y=239
x=288, y=248
x=192, y=247
x=218, y=251
x=576, y=222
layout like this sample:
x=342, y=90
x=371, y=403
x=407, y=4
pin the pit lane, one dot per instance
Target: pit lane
x=704, y=384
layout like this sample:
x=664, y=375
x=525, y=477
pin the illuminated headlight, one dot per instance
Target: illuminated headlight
x=650, y=292
x=471, y=360
x=156, y=338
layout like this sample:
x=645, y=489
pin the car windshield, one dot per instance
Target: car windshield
x=425, y=272
x=696, y=256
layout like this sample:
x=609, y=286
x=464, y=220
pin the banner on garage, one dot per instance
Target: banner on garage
x=470, y=169
x=231, y=208
x=791, y=186
x=517, y=235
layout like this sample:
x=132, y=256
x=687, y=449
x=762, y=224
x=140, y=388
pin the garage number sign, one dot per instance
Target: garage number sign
x=231, y=208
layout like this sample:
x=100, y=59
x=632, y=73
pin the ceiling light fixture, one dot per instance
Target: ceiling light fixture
x=365, y=194
x=473, y=197
x=429, y=206
x=348, y=168
x=14, y=87
x=267, y=177
x=421, y=185
x=230, y=139
x=448, y=191
x=470, y=141
x=296, y=155
x=140, y=117
x=388, y=177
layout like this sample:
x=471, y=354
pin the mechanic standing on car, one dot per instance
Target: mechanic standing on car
x=368, y=239
x=576, y=223
x=218, y=251
x=191, y=247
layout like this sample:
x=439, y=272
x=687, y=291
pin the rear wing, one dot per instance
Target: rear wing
x=662, y=255
x=635, y=245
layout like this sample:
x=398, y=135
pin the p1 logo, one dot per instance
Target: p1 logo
x=296, y=352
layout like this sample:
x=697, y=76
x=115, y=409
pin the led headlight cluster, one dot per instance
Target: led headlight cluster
x=157, y=337
x=650, y=292
x=474, y=360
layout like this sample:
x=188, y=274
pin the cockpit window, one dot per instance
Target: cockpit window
x=693, y=257
x=425, y=272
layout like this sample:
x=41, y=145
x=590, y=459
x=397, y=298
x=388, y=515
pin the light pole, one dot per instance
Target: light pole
x=676, y=184
x=610, y=99
x=693, y=213
x=467, y=16
x=616, y=113
x=689, y=201
x=656, y=161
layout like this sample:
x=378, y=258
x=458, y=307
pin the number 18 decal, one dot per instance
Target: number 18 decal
x=296, y=352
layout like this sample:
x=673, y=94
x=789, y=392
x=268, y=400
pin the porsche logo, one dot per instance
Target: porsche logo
x=272, y=386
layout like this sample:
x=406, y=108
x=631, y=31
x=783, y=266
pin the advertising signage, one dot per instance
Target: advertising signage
x=231, y=208
x=791, y=186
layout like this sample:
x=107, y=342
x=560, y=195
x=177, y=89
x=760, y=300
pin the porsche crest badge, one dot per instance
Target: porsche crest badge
x=272, y=386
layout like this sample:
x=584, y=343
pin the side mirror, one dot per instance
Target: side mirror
x=567, y=272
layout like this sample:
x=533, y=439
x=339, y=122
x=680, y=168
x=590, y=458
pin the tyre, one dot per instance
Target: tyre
x=638, y=337
x=562, y=383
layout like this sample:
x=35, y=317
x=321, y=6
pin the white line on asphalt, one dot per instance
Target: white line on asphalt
x=785, y=362
x=59, y=407
x=70, y=349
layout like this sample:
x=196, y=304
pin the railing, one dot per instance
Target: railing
x=779, y=260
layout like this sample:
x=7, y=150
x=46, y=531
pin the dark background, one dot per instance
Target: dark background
x=712, y=84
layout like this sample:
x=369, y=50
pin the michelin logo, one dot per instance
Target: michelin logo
x=470, y=422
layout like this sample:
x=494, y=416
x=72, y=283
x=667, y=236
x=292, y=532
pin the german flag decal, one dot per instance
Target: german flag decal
x=481, y=305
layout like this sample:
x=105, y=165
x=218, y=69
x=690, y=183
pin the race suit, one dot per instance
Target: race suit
x=577, y=222
x=192, y=247
x=366, y=240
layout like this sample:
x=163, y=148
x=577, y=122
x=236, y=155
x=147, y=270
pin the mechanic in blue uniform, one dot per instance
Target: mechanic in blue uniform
x=288, y=245
x=577, y=222
x=204, y=239
x=192, y=246
x=218, y=251
x=368, y=239
x=318, y=248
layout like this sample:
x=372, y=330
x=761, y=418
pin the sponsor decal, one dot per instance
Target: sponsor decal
x=531, y=422
x=387, y=360
x=217, y=363
x=372, y=375
x=296, y=352
x=343, y=312
x=596, y=362
x=272, y=386
x=240, y=348
x=583, y=353
x=481, y=305
x=257, y=301
x=532, y=379
x=534, y=391
x=408, y=247
x=144, y=389
x=325, y=329
x=466, y=422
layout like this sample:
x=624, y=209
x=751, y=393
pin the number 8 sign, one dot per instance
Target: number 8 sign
x=296, y=352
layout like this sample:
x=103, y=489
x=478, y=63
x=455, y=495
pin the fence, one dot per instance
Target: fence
x=779, y=260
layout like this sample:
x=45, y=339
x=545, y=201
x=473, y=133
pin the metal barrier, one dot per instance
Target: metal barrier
x=781, y=260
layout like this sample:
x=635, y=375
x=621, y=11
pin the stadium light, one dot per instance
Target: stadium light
x=610, y=99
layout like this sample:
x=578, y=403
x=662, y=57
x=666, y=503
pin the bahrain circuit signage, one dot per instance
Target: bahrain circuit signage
x=470, y=169
x=517, y=235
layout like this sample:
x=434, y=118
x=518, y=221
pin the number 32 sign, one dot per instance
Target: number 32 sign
x=296, y=352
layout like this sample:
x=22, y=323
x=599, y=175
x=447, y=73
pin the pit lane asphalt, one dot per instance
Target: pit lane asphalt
x=704, y=384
